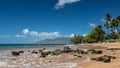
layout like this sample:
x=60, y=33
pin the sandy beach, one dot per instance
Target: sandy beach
x=113, y=64
x=64, y=60
x=33, y=60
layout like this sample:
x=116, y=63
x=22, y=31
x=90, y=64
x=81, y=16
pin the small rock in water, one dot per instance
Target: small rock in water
x=15, y=53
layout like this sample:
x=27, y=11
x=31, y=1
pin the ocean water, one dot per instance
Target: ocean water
x=10, y=46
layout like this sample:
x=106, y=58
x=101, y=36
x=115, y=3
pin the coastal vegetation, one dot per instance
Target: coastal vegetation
x=118, y=40
x=95, y=35
x=111, y=33
x=77, y=39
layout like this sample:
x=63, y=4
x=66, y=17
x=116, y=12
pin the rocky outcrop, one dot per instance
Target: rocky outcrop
x=67, y=49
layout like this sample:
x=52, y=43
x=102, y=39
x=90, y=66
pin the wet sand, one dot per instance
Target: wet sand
x=28, y=60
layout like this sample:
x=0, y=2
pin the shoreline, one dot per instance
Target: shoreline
x=27, y=59
x=64, y=60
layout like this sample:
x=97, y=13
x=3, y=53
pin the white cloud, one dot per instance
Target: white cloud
x=49, y=35
x=34, y=33
x=25, y=31
x=62, y=3
x=92, y=25
x=43, y=35
x=4, y=36
x=72, y=35
x=22, y=36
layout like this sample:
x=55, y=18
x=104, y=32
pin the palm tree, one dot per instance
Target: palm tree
x=115, y=24
x=118, y=27
x=77, y=39
x=108, y=23
x=114, y=27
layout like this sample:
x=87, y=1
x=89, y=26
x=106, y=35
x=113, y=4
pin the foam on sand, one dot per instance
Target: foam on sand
x=69, y=45
x=2, y=63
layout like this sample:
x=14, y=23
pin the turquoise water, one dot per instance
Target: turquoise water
x=2, y=46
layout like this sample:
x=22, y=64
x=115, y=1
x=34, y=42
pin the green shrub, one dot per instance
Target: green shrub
x=118, y=40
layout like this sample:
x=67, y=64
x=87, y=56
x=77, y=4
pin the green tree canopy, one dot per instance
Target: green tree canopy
x=113, y=27
x=77, y=39
x=95, y=35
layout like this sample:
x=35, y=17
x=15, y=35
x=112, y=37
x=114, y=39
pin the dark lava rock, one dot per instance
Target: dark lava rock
x=93, y=58
x=34, y=52
x=67, y=49
x=99, y=59
x=40, y=51
x=44, y=49
x=107, y=60
x=43, y=55
x=95, y=51
x=20, y=51
x=15, y=53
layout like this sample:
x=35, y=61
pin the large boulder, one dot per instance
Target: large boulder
x=67, y=49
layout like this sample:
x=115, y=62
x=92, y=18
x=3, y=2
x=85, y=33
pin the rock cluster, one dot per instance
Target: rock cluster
x=105, y=58
x=16, y=53
x=113, y=49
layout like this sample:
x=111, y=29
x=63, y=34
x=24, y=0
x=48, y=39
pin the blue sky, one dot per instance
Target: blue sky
x=27, y=21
